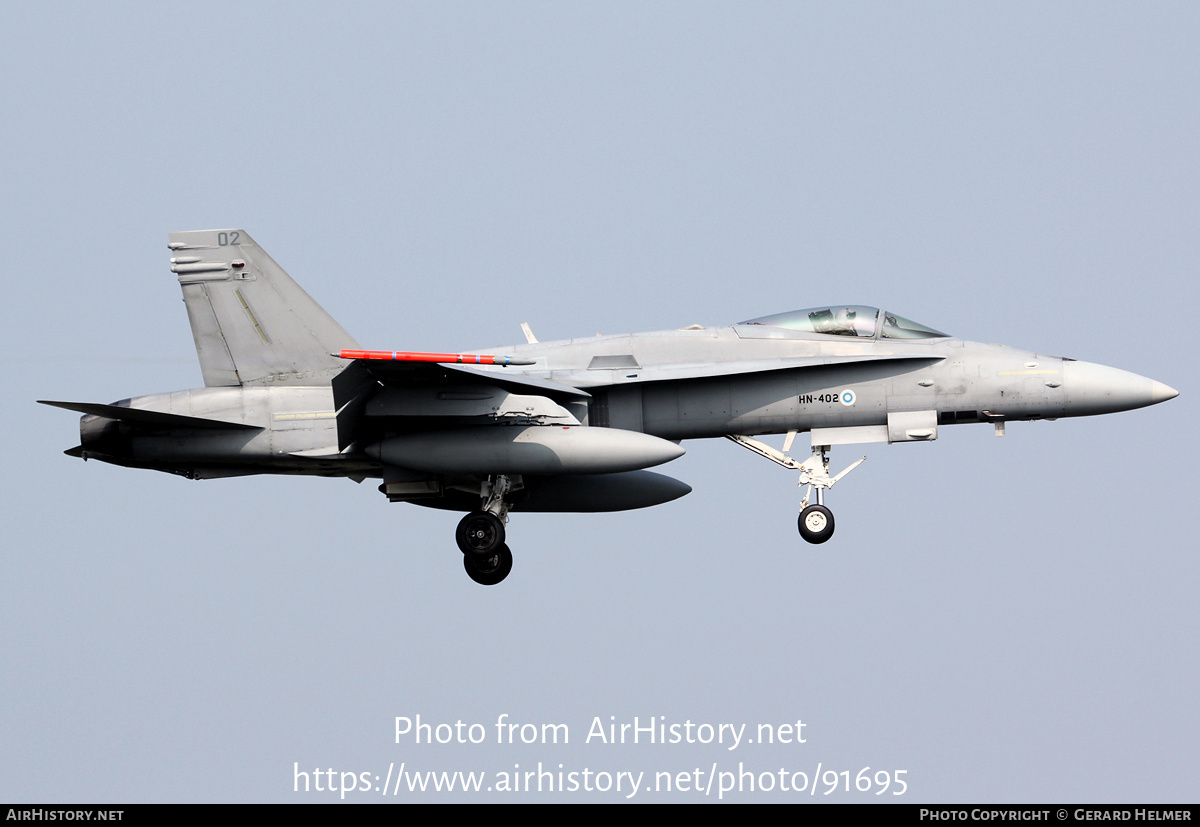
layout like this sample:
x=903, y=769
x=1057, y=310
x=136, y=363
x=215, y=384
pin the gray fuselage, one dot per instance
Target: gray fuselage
x=679, y=384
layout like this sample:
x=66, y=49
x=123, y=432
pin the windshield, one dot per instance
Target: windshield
x=898, y=327
x=839, y=320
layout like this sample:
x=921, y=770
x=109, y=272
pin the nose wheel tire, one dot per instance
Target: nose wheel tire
x=488, y=570
x=480, y=533
x=816, y=524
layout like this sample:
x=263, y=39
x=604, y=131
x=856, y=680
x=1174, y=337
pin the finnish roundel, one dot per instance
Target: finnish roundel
x=846, y=397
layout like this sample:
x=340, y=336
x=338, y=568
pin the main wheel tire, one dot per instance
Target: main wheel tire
x=816, y=524
x=489, y=570
x=479, y=533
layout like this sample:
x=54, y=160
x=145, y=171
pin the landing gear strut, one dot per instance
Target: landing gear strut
x=816, y=521
x=480, y=534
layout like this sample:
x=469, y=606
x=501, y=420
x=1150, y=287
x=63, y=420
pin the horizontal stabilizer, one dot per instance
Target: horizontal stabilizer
x=148, y=419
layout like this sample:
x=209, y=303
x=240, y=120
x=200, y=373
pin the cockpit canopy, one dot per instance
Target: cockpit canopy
x=855, y=320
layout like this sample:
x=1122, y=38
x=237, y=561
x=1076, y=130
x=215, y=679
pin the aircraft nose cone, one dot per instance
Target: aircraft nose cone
x=1098, y=389
x=1161, y=393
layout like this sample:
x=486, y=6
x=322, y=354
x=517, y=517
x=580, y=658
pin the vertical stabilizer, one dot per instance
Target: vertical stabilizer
x=252, y=324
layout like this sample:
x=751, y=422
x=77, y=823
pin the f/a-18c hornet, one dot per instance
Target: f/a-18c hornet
x=557, y=426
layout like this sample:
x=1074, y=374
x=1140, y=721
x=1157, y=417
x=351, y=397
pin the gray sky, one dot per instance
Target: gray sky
x=1005, y=620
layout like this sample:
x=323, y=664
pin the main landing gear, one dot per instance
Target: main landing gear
x=489, y=570
x=480, y=534
x=816, y=521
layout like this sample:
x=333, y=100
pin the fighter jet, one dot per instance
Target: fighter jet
x=557, y=426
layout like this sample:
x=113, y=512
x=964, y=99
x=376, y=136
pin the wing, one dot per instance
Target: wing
x=373, y=396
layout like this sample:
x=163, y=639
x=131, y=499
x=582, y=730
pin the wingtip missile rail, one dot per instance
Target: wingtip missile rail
x=450, y=358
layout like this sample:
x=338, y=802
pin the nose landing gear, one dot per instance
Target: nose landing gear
x=816, y=521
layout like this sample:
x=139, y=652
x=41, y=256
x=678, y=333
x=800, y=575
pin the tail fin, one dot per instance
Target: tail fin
x=252, y=324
